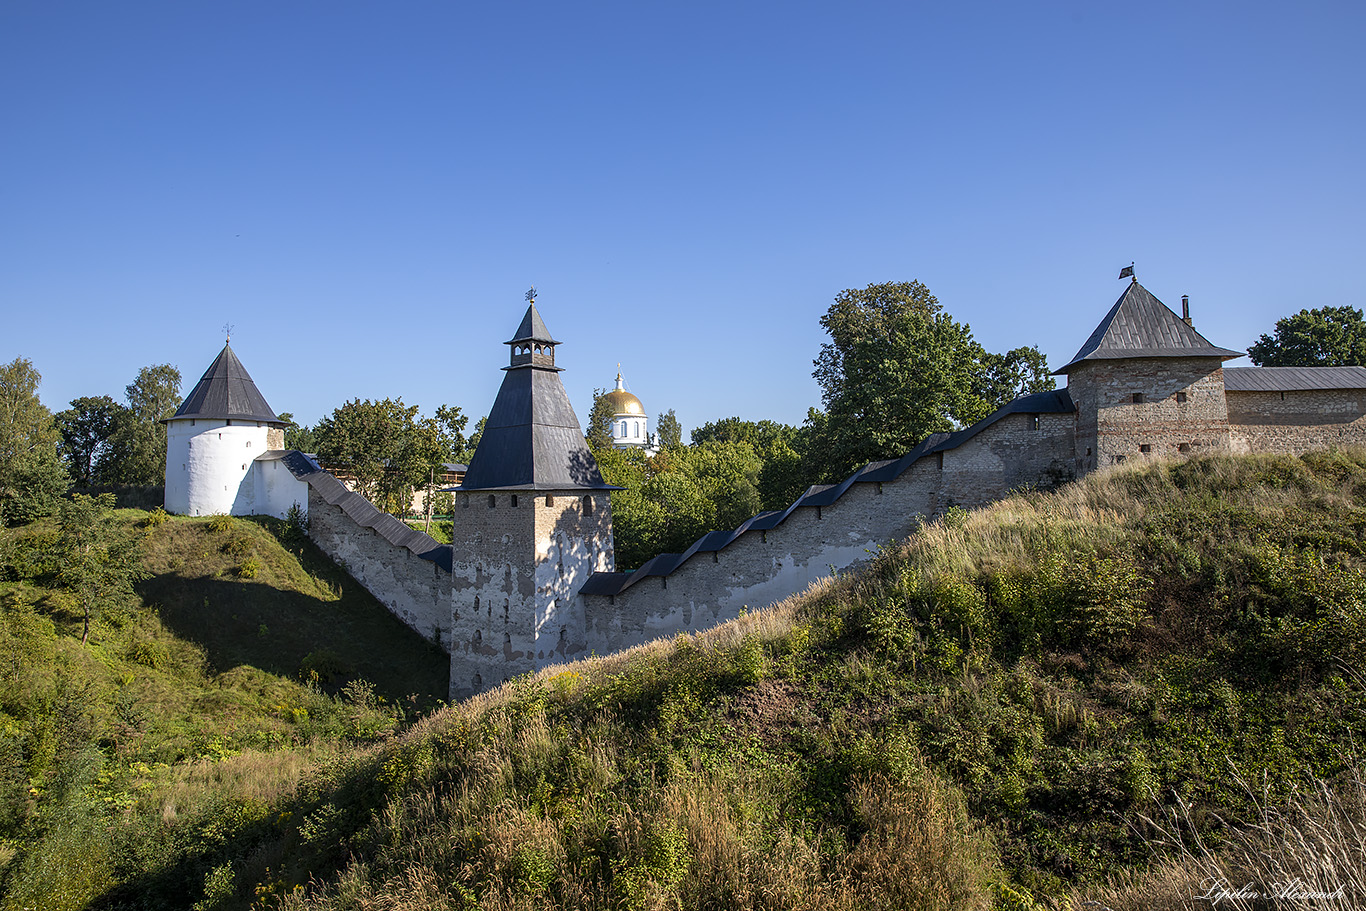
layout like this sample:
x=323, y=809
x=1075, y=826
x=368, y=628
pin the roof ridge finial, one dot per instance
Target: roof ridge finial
x=227, y=331
x=1128, y=272
x=619, y=380
x=531, y=296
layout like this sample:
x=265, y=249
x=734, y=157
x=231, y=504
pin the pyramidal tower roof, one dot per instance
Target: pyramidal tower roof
x=1140, y=325
x=532, y=439
x=226, y=392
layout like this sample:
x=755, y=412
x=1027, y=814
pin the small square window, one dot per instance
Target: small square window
x=1183, y=447
x=1145, y=448
x=1138, y=398
x=1180, y=396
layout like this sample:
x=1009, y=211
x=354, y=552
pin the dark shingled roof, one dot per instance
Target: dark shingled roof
x=360, y=510
x=1056, y=401
x=226, y=391
x=532, y=439
x=1293, y=379
x=532, y=329
x=1140, y=325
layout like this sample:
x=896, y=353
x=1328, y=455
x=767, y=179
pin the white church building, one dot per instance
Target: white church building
x=225, y=449
x=630, y=423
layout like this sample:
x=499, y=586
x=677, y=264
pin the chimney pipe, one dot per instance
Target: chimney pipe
x=1186, y=309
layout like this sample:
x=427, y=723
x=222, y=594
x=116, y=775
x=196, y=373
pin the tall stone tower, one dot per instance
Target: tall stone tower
x=533, y=520
x=1146, y=384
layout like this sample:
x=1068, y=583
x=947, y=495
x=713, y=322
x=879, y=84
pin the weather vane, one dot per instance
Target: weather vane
x=227, y=330
x=531, y=295
x=1128, y=272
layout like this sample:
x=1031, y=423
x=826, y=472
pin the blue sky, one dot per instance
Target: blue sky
x=367, y=190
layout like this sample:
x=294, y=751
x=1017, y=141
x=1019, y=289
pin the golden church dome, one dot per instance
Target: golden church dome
x=624, y=402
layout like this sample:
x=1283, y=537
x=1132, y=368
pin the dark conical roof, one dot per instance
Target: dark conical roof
x=1140, y=325
x=226, y=391
x=532, y=329
x=532, y=439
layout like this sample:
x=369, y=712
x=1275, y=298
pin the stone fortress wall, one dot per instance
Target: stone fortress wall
x=529, y=579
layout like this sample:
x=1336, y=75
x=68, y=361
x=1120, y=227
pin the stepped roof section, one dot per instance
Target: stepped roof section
x=226, y=392
x=532, y=439
x=358, y=509
x=1140, y=325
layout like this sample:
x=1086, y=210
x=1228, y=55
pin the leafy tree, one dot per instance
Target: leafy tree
x=473, y=442
x=31, y=472
x=298, y=436
x=1020, y=371
x=760, y=434
x=86, y=428
x=668, y=431
x=98, y=561
x=1324, y=337
x=390, y=451
x=599, y=433
x=898, y=368
x=137, y=444
x=450, y=426
x=784, y=477
x=368, y=438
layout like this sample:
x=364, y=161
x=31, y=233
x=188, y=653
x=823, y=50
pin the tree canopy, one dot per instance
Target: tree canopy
x=388, y=450
x=1324, y=337
x=599, y=432
x=898, y=368
x=137, y=443
x=668, y=431
x=31, y=472
x=97, y=561
x=86, y=428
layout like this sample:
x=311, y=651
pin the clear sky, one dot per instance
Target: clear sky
x=366, y=190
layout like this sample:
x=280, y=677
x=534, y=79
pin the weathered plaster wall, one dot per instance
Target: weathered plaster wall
x=1296, y=422
x=208, y=463
x=1112, y=427
x=514, y=572
x=413, y=589
x=276, y=488
x=762, y=567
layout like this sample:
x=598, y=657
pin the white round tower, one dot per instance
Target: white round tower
x=630, y=423
x=213, y=440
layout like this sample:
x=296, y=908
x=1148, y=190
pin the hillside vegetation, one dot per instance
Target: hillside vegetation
x=1017, y=705
x=246, y=657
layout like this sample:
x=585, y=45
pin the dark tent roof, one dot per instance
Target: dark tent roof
x=1140, y=325
x=1293, y=379
x=226, y=391
x=532, y=439
x=532, y=329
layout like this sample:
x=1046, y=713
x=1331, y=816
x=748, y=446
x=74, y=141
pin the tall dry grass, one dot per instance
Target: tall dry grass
x=1307, y=852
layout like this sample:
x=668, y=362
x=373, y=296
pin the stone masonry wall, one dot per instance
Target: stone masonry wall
x=514, y=571
x=413, y=589
x=1182, y=411
x=762, y=567
x=1297, y=421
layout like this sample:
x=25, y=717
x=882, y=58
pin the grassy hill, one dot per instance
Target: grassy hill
x=1017, y=705
x=245, y=658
